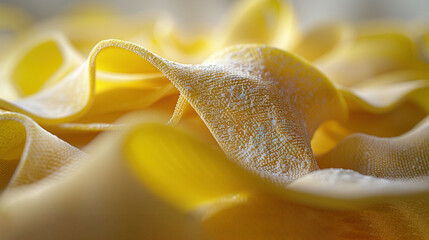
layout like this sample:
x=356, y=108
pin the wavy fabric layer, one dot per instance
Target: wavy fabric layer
x=403, y=157
x=327, y=140
x=29, y=153
x=102, y=198
x=249, y=102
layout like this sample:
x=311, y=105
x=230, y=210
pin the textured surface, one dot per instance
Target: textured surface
x=250, y=101
x=383, y=157
x=102, y=199
x=248, y=142
x=29, y=153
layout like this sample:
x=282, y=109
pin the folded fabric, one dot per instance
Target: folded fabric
x=254, y=130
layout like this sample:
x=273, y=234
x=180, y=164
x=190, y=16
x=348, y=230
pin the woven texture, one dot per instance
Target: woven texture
x=319, y=135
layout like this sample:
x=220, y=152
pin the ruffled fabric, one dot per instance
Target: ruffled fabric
x=252, y=131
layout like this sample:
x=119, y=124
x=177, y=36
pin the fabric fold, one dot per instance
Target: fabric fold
x=30, y=153
x=101, y=198
x=402, y=157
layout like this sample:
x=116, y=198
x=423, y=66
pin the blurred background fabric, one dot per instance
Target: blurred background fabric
x=206, y=12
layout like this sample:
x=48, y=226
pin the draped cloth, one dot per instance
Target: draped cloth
x=277, y=135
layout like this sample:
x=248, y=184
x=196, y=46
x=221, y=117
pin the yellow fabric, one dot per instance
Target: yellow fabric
x=318, y=43
x=161, y=156
x=370, y=155
x=287, y=135
x=23, y=156
x=371, y=55
x=101, y=198
x=258, y=215
x=269, y=22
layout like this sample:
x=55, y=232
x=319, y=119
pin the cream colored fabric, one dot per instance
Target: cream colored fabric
x=29, y=153
x=279, y=137
x=100, y=199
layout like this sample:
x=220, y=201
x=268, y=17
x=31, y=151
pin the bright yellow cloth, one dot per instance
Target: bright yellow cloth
x=319, y=135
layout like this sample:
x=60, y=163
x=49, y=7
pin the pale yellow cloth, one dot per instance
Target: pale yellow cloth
x=319, y=135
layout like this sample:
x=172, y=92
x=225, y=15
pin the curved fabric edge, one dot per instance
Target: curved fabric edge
x=43, y=154
x=197, y=82
x=331, y=194
x=100, y=199
x=384, y=98
x=402, y=157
